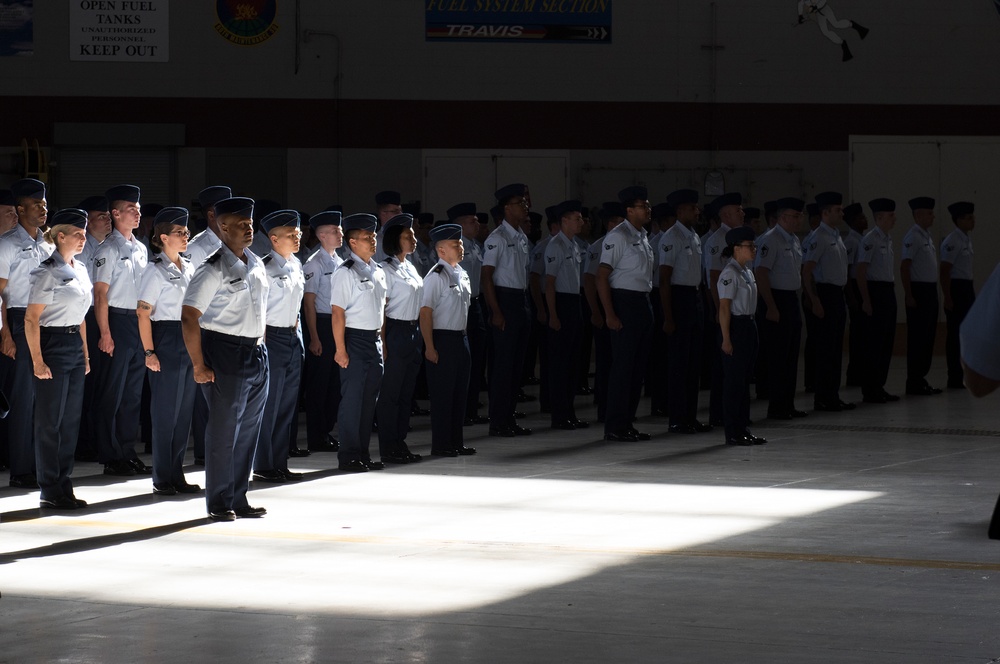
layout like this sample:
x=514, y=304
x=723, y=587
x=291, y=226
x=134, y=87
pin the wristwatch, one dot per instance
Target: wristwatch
x=147, y=353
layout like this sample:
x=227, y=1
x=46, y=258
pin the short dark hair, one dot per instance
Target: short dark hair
x=390, y=239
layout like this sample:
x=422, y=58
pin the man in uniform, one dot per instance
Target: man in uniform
x=779, y=275
x=8, y=211
x=223, y=320
x=21, y=250
x=388, y=204
x=956, y=284
x=824, y=275
x=624, y=280
x=322, y=378
x=357, y=298
x=283, y=338
x=562, y=296
x=538, y=344
x=118, y=266
x=809, y=352
x=504, y=280
x=655, y=378
x=877, y=290
x=683, y=316
x=464, y=214
x=857, y=224
x=918, y=271
x=612, y=214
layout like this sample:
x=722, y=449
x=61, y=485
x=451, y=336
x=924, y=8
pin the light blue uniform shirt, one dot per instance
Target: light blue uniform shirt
x=472, y=263
x=628, y=254
x=876, y=250
x=286, y=286
x=359, y=289
x=738, y=284
x=852, y=243
x=828, y=252
x=978, y=333
x=19, y=255
x=780, y=253
x=87, y=255
x=507, y=253
x=562, y=261
x=318, y=273
x=956, y=249
x=203, y=245
x=163, y=286
x=680, y=249
x=712, y=251
x=447, y=291
x=119, y=264
x=593, y=257
x=403, y=288
x=231, y=295
x=918, y=248
x=65, y=290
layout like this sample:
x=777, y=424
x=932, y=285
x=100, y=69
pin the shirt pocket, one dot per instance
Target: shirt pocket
x=236, y=287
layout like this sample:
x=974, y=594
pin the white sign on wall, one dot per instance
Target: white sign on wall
x=119, y=30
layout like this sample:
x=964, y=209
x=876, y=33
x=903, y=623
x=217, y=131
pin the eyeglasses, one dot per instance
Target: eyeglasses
x=748, y=245
x=181, y=233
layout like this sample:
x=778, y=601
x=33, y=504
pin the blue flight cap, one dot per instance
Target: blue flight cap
x=280, y=218
x=961, y=209
x=568, y=207
x=922, y=203
x=682, y=197
x=72, y=216
x=404, y=220
x=612, y=209
x=326, y=218
x=510, y=191
x=7, y=197
x=123, y=192
x=740, y=234
x=771, y=208
x=28, y=188
x=663, y=210
x=362, y=221
x=94, y=204
x=734, y=198
x=852, y=212
x=629, y=195
x=388, y=198
x=882, y=205
x=750, y=213
x=828, y=198
x=461, y=210
x=236, y=205
x=446, y=232
x=789, y=203
x=209, y=196
x=172, y=215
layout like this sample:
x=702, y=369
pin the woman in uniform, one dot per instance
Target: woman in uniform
x=401, y=341
x=60, y=294
x=171, y=381
x=737, y=304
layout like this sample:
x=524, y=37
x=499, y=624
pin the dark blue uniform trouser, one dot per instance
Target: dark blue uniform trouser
x=629, y=350
x=962, y=297
x=602, y=370
x=921, y=328
x=781, y=342
x=120, y=388
x=57, y=411
x=830, y=342
x=359, y=387
x=280, y=423
x=656, y=368
x=858, y=340
x=716, y=394
x=20, y=392
x=809, y=351
x=586, y=342
x=564, y=359
x=87, y=444
x=448, y=381
x=322, y=384
x=403, y=353
x=236, y=401
x=880, y=335
x=508, y=355
x=738, y=369
x=684, y=354
x=475, y=330
x=171, y=391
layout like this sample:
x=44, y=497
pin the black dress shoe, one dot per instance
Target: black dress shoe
x=640, y=435
x=119, y=468
x=922, y=390
x=324, y=446
x=682, y=428
x=701, y=427
x=623, y=437
x=164, y=490
x=476, y=419
x=580, y=424
x=187, y=488
x=585, y=391
x=502, y=432
x=523, y=397
x=827, y=407
x=890, y=398
x=521, y=431
x=417, y=411
x=249, y=512
x=24, y=482
x=565, y=425
x=847, y=405
x=374, y=465
x=413, y=458
x=296, y=452
x=466, y=451
x=271, y=476
x=873, y=398
x=139, y=467
x=755, y=440
x=717, y=423
x=60, y=503
x=353, y=466
x=778, y=416
x=80, y=504
x=222, y=515
x=444, y=453
x=742, y=441
x=396, y=457
x=799, y=413
x=290, y=475
x=518, y=415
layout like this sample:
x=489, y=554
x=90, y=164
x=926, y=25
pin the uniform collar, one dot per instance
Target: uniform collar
x=278, y=258
x=785, y=234
x=828, y=229
x=357, y=259
x=920, y=230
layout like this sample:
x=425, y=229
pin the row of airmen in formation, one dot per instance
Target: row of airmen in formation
x=212, y=312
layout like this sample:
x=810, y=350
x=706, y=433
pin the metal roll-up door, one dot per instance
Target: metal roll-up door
x=79, y=173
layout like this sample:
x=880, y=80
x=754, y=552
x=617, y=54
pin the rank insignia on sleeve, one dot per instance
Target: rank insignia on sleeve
x=868, y=247
x=309, y=276
x=726, y=282
x=99, y=262
x=763, y=250
x=491, y=246
x=609, y=246
x=715, y=250
x=551, y=259
x=950, y=247
x=668, y=247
